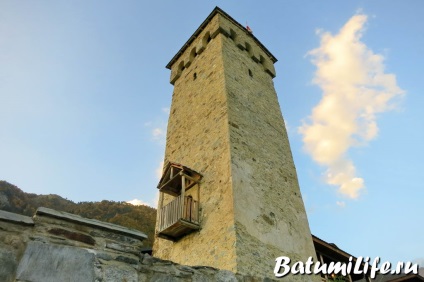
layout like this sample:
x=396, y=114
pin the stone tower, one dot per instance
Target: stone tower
x=229, y=197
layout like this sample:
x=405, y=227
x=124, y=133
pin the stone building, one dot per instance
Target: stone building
x=229, y=194
x=229, y=203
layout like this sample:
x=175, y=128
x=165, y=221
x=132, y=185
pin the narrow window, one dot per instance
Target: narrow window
x=181, y=66
x=250, y=73
x=193, y=54
x=194, y=76
x=248, y=48
x=233, y=34
x=205, y=41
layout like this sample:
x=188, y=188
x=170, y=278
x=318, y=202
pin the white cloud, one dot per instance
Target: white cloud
x=341, y=204
x=288, y=128
x=158, y=127
x=137, y=202
x=158, y=133
x=355, y=88
x=153, y=203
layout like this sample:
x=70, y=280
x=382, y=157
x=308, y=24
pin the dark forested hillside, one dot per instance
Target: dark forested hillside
x=142, y=218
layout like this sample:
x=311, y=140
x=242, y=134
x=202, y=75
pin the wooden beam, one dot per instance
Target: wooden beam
x=198, y=203
x=167, y=182
x=183, y=188
x=189, y=177
x=322, y=262
x=190, y=224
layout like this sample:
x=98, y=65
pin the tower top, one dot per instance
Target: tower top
x=199, y=30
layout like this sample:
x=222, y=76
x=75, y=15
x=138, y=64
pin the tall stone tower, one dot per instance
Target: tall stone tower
x=229, y=197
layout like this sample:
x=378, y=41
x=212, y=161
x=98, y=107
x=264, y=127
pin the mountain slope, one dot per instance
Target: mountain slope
x=142, y=217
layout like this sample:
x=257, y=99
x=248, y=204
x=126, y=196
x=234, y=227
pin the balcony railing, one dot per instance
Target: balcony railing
x=178, y=217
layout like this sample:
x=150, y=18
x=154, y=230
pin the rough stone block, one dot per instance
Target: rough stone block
x=118, y=273
x=90, y=222
x=17, y=218
x=225, y=276
x=8, y=264
x=159, y=277
x=122, y=248
x=76, y=236
x=52, y=263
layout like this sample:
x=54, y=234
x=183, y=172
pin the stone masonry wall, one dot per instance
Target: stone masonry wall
x=269, y=211
x=58, y=246
x=198, y=138
x=55, y=246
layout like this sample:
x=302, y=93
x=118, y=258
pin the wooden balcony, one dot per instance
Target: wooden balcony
x=178, y=218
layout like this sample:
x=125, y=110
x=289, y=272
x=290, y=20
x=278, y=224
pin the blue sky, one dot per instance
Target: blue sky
x=84, y=97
